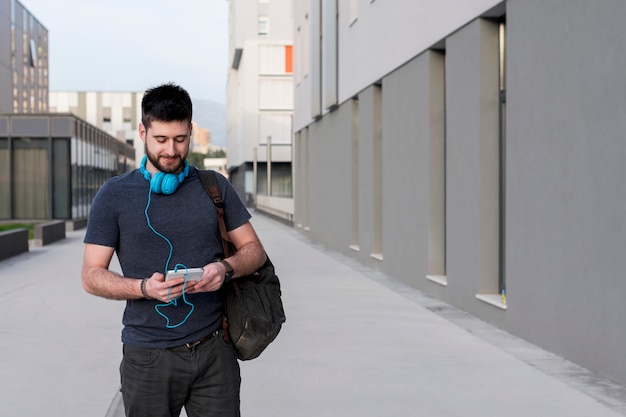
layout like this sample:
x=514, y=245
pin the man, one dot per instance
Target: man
x=159, y=218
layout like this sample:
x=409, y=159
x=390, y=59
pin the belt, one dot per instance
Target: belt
x=192, y=345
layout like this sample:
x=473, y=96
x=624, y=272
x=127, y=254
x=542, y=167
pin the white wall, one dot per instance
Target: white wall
x=385, y=35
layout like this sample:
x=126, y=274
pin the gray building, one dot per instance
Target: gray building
x=51, y=164
x=474, y=150
x=23, y=60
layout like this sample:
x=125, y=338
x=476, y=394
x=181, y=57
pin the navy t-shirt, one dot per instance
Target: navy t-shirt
x=156, y=232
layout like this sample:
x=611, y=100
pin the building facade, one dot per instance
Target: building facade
x=200, y=139
x=51, y=165
x=117, y=113
x=23, y=60
x=475, y=151
x=259, y=104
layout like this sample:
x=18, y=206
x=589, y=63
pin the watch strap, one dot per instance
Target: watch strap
x=229, y=269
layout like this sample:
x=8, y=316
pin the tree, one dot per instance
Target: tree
x=217, y=153
x=196, y=159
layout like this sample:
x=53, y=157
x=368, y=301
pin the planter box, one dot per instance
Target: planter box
x=13, y=242
x=46, y=233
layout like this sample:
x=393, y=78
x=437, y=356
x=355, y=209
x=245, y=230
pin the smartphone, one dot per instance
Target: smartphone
x=192, y=274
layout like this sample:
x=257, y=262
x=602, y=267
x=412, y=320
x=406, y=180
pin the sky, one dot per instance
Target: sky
x=132, y=45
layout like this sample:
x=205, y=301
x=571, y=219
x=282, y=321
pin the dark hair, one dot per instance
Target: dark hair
x=166, y=103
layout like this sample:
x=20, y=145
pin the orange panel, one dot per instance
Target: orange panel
x=288, y=58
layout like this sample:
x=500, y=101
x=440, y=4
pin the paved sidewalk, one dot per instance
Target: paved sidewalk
x=356, y=343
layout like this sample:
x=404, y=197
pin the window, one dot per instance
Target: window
x=31, y=192
x=106, y=124
x=354, y=245
x=502, y=143
x=261, y=178
x=32, y=56
x=281, y=180
x=5, y=177
x=437, y=171
x=127, y=120
x=377, y=173
x=264, y=25
x=491, y=170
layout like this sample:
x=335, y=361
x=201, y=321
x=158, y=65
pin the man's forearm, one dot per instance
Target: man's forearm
x=107, y=284
x=247, y=259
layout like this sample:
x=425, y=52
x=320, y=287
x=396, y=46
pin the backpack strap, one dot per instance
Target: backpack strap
x=208, y=179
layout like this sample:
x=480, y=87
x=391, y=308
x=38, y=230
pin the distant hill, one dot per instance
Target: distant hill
x=211, y=115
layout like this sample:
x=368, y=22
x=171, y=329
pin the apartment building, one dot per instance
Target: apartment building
x=259, y=104
x=475, y=151
x=117, y=113
x=200, y=139
x=23, y=60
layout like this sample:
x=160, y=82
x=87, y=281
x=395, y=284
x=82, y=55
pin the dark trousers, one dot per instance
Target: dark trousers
x=205, y=379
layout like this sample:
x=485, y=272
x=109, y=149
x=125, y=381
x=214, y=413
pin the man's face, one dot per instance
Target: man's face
x=167, y=144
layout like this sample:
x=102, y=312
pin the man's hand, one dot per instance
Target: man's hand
x=212, y=279
x=159, y=289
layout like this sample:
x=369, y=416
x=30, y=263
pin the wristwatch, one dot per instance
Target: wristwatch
x=229, y=270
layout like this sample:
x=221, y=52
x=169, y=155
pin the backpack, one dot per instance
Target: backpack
x=253, y=308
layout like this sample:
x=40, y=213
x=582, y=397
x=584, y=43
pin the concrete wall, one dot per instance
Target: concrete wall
x=412, y=115
x=563, y=174
x=472, y=162
x=566, y=192
x=329, y=187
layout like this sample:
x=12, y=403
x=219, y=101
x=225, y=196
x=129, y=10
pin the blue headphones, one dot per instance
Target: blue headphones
x=161, y=182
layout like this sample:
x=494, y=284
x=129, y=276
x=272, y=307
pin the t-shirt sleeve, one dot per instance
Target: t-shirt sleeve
x=102, y=225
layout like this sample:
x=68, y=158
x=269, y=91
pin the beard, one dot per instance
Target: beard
x=168, y=169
